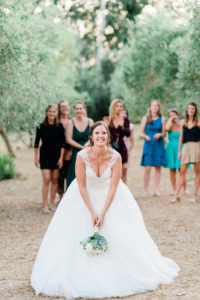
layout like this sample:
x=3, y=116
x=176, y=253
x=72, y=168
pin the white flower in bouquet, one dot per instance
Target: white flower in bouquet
x=95, y=244
x=89, y=248
x=96, y=229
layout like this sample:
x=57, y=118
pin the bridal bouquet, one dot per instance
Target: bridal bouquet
x=95, y=244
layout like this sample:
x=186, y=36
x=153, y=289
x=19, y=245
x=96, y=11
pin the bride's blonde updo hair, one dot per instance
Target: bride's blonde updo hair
x=99, y=123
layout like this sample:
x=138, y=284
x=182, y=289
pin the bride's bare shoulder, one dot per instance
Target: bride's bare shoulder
x=115, y=157
x=83, y=154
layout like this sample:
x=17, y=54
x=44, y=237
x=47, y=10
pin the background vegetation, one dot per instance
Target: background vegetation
x=95, y=51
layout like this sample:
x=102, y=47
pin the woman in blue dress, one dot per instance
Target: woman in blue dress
x=173, y=162
x=154, y=154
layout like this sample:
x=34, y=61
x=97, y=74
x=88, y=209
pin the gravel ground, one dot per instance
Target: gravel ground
x=175, y=229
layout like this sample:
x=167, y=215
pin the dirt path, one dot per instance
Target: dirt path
x=175, y=229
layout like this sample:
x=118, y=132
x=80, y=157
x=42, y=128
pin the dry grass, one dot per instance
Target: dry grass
x=175, y=229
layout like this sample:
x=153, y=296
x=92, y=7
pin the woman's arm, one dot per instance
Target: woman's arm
x=115, y=178
x=131, y=140
x=60, y=161
x=180, y=139
x=36, y=146
x=69, y=135
x=168, y=126
x=63, y=142
x=199, y=133
x=81, y=179
x=37, y=163
x=142, y=129
x=91, y=123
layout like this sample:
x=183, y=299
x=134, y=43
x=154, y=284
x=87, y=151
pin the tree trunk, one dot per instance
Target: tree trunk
x=6, y=140
x=30, y=140
x=101, y=33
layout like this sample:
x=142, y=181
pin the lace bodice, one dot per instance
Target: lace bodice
x=92, y=179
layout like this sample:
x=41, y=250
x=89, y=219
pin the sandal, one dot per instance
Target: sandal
x=192, y=200
x=175, y=199
x=52, y=207
x=156, y=194
x=45, y=210
x=186, y=192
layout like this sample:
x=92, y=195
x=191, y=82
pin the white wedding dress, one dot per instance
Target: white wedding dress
x=132, y=263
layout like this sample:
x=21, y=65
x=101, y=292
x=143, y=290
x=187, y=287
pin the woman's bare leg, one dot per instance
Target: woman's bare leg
x=173, y=179
x=157, y=180
x=54, y=182
x=46, y=175
x=124, y=173
x=197, y=180
x=147, y=172
x=182, y=176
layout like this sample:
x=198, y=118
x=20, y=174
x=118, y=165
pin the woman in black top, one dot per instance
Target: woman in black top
x=190, y=137
x=52, y=134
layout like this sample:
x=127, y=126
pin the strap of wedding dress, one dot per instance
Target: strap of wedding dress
x=83, y=154
x=114, y=158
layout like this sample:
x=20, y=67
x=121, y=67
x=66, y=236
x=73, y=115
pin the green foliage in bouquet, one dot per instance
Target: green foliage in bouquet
x=95, y=244
x=7, y=169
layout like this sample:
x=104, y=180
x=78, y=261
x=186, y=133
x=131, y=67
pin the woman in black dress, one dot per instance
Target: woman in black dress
x=52, y=134
x=119, y=127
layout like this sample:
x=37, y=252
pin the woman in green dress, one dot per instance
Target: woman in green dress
x=173, y=163
x=77, y=134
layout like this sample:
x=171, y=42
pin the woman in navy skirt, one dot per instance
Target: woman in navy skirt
x=154, y=154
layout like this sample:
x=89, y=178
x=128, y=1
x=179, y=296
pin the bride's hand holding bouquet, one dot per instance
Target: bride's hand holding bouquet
x=94, y=219
x=100, y=220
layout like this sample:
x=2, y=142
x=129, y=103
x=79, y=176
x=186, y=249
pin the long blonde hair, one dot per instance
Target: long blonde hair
x=149, y=114
x=112, y=108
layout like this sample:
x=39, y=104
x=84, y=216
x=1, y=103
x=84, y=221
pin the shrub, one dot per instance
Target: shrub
x=7, y=169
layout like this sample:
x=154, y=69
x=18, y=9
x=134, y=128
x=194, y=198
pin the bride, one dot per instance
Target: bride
x=132, y=263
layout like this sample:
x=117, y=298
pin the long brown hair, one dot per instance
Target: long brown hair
x=59, y=104
x=95, y=125
x=112, y=108
x=195, y=117
x=149, y=114
x=45, y=121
